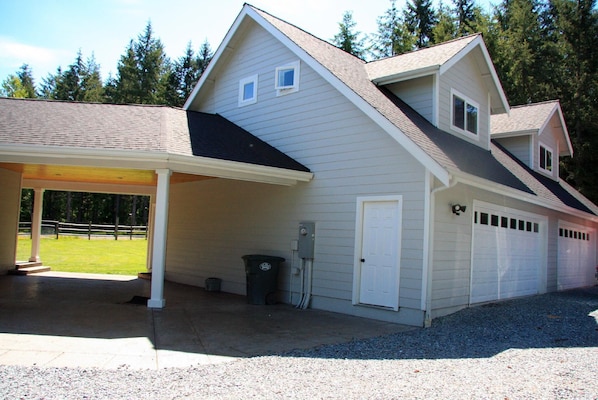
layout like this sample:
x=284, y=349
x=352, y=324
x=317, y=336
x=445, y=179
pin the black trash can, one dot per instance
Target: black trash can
x=262, y=278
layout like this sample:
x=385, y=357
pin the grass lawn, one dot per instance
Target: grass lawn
x=98, y=256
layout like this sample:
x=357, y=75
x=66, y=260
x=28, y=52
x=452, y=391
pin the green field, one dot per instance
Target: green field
x=98, y=256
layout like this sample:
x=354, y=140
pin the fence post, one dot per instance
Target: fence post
x=131, y=233
x=57, y=229
x=89, y=231
x=116, y=229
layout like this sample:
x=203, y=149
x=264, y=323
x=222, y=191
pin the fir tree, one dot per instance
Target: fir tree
x=420, y=19
x=347, y=38
x=392, y=37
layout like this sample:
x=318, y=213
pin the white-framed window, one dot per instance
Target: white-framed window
x=248, y=90
x=545, y=158
x=286, y=78
x=464, y=114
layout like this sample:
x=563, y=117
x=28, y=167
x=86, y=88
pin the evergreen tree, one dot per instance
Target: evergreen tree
x=420, y=19
x=446, y=28
x=142, y=71
x=574, y=33
x=465, y=16
x=519, y=56
x=26, y=76
x=392, y=37
x=81, y=81
x=347, y=38
x=204, y=57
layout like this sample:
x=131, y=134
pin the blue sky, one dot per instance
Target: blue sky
x=48, y=33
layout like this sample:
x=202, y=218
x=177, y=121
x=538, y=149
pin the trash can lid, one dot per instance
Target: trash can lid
x=253, y=257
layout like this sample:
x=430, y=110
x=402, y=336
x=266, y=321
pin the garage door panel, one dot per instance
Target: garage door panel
x=507, y=253
x=576, y=256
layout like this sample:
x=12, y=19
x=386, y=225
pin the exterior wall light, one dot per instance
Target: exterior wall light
x=458, y=209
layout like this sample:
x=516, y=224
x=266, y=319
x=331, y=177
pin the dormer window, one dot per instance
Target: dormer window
x=545, y=158
x=287, y=79
x=464, y=116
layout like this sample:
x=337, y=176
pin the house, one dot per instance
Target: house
x=421, y=190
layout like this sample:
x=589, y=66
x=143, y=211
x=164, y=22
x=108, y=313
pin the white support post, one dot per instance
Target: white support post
x=36, y=223
x=159, y=239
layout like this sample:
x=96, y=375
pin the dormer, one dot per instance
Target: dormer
x=536, y=134
x=453, y=85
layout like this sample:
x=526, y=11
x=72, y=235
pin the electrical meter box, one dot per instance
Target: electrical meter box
x=307, y=238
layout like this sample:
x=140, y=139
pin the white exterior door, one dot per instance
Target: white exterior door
x=379, y=253
x=577, y=256
x=508, y=253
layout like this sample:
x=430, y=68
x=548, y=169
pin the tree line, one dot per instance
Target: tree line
x=542, y=50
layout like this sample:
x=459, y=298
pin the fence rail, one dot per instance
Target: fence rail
x=90, y=230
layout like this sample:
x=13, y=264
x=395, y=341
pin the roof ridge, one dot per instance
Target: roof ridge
x=555, y=101
x=421, y=49
x=93, y=103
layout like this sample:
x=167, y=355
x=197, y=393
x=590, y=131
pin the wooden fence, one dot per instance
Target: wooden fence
x=90, y=230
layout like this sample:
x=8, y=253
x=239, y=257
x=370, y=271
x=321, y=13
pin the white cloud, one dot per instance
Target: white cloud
x=14, y=54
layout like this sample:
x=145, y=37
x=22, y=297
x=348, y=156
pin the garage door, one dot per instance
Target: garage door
x=508, y=253
x=577, y=256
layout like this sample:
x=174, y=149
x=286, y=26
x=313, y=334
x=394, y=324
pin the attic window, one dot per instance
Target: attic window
x=464, y=114
x=545, y=158
x=287, y=78
x=248, y=91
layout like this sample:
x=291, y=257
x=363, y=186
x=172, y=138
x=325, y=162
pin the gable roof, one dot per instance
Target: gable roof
x=442, y=154
x=149, y=134
x=530, y=119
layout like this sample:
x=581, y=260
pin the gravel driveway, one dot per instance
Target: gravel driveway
x=544, y=347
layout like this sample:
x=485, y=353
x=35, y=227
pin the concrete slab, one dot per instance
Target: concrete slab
x=83, y=320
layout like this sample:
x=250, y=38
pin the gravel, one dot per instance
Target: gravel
x=540, y=347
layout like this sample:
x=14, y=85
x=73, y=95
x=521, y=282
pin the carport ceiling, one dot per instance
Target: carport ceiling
x=114, y=176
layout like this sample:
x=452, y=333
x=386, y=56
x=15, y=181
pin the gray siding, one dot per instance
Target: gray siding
x=418, y=93
x=10, y=199
x=520, y=147
x=465, y=77
x=349, y=156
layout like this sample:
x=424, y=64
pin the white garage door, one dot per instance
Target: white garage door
x=508, y=253
x=577, y=256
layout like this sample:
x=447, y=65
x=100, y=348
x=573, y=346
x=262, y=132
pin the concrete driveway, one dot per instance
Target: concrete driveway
x=83, y=320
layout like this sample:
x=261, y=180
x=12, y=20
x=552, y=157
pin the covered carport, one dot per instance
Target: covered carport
x=130, y=149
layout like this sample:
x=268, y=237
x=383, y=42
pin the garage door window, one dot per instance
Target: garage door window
x=510, y=223
x=573, y=234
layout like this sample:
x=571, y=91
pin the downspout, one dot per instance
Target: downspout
x=430, y=261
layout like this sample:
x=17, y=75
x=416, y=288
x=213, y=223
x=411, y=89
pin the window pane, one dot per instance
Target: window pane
x=548, y=160
x=483, y=218
x=544, y=161
x=248, y=91
x=504, y=222
x=458, y=112
x=472, y=119
x=494, y=220
x=286, y=77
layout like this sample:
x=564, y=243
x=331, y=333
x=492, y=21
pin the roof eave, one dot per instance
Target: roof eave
x=497, y=188
x=56, y=155
x=403, y=76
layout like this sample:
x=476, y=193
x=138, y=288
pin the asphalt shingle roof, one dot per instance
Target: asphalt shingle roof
x=134, y=128
x=525, y=118
x=452, y=153
x=417, y=60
